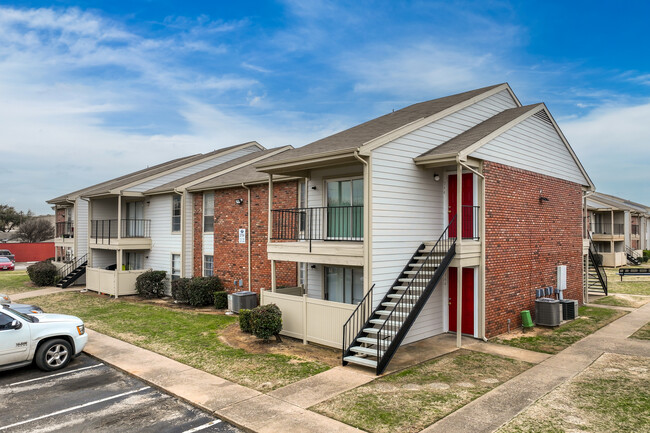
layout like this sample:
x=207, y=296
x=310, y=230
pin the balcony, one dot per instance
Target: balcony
x=64, y=234
x=608, y=231
x=329, y=235
x=134, y=233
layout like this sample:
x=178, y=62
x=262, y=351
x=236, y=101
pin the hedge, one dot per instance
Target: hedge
x=151, y=284
x=42, y=273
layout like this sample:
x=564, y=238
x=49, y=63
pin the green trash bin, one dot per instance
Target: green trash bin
x=526, y=320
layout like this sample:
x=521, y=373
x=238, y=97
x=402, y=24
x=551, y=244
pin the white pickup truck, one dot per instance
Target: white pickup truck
x=49, y=340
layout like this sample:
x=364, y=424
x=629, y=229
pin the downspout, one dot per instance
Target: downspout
x=250, y=286
x=366, y=223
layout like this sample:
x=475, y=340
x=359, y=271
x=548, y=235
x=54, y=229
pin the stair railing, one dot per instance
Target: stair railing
x=67, y=269
x=633, y=253
x=400, y=319
x=598, y=267
x=356, y=322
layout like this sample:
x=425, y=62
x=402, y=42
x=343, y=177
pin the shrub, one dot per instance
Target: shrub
x=646, y=255
x=180, y=289
x=151, y=284
x=245, y=320
x=221, y=300
x=266, y=321
x=42, y=273
x=201, y=290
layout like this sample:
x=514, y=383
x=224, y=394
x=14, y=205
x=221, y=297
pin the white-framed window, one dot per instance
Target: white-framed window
x=176, y=213
x=208, y=266
x=176, y=266
x=343, y=284
x=208, y=212
x=302, y=274
x=345, y=208
x=132, y=261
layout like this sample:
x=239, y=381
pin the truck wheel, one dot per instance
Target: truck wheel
x=53, y=355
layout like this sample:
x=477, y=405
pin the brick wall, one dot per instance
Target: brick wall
x=526, y=240
x=197, y=215
x=60, y=215
x=231, y=257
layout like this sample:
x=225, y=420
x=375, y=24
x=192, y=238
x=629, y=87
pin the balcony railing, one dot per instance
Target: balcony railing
x=65, y=229
x=606, y=229
x=105, y=230
x=334, y=223
x=635, y=229
x=469, y=223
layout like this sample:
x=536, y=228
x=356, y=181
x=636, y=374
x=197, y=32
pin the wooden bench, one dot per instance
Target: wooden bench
x=634, y=272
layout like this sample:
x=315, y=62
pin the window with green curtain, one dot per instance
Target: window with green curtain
x=345, y=209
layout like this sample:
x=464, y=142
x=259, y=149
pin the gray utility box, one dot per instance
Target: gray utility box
x=569, y=309
x=242, y=300
x=548, y=312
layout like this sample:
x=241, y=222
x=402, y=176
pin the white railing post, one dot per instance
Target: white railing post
x=304, y=319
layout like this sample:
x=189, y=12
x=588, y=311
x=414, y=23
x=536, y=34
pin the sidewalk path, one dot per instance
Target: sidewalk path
x=492, y=410
x=281, y=410
x=41, y=292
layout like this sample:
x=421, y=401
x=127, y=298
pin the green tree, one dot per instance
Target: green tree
x=35, y=230
x=10, y=218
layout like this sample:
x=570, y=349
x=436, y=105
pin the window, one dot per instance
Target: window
x=302, y=274
x=208, y=212
x=133, y=261
x=176, y=266
x=344, y=285
x=176, y=213
x=208, y=266
x=5, y=321
x=345, y=209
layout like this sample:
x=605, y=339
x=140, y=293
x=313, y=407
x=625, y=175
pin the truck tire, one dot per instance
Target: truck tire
x=53, y=355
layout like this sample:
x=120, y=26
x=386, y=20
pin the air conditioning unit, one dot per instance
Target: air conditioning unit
x=548, y=312
x=569, y=309
x=242, y=300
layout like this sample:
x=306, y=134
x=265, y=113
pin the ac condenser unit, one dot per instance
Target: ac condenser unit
x=548, y=312
x=242, y=300
x=569, y=309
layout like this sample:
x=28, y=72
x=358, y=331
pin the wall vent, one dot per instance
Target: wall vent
x=541, y=115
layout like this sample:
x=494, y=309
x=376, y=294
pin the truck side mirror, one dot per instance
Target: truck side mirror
x=16, y=324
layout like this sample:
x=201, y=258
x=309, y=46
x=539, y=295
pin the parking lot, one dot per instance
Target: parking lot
x=90, y=396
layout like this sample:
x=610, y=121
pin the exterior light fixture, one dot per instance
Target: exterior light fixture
x=541, y=197
x=313, y=187
x=436, y=177
x=239, y=201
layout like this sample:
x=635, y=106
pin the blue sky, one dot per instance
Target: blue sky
x=90, y=90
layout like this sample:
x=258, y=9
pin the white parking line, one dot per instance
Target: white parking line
x=124, y=394
x=55, y=375
x=204, y=426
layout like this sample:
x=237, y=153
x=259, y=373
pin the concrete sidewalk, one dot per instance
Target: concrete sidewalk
x=492, y=410
x=42, y=292
x=281, y=410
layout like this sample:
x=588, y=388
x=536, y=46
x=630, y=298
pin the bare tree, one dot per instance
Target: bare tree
x=35, y=230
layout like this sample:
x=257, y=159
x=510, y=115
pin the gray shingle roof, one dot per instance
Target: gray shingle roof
x=466, y=139
x=358, y=135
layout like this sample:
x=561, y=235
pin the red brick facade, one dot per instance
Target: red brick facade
x=526, y=239
x=231, y=257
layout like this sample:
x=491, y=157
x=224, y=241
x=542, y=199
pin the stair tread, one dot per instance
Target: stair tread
x=366, y=350
x=374, y=331
x=369, y=340
x=361, y=361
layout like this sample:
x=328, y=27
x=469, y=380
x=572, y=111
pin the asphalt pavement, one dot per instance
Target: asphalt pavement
x=90, y=396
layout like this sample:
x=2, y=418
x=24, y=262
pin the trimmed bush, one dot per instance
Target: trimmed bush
x=245, y=320
x=266, y=321
x=221, y=300
x=151, y=284
x=42, y=273
x=201, y=290
x=180, y=290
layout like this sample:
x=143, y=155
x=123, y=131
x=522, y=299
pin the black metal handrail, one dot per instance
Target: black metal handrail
x=633, y=252
x=606, y=229
x=357, y=321
x=65, y=229
x=331, y=223
x=398, y=322
x=105, y=230
x=64, y=271
x=598, y=265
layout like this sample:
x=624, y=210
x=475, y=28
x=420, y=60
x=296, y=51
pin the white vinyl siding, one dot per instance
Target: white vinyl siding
x=163, y=241
x=408, y=205
x=189, y=234
x=179, y=174
x=533, y=145
x=81, y=228
x=315, y=281
x=104, y=258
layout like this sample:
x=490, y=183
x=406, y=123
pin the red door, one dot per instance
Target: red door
x=467, y=325
x=467, y=200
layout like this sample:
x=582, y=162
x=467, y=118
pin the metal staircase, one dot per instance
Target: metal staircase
x=371, y=337
x=633, y=257
x=71, y=272
x=596, y=277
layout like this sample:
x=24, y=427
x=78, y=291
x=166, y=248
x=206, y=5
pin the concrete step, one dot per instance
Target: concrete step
x=366, y=351
x=361, y=361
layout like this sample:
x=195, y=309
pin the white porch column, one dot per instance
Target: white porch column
x=459, y=237
x=119, y=217
x=270, y=228
x=273, y=280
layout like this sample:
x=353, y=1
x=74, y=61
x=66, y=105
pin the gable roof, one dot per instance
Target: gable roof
x=614, y=202
x=353, y=138
x=204, y=175
x=120, y=183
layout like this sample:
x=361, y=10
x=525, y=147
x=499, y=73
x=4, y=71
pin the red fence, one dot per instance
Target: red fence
x=30, y=252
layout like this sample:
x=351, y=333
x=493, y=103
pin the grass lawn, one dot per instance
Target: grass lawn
x=623, y=300
x=552, y=341
x=612, y=395
x=643, y=333
x=412, y=399
x=15, y=282
x=188, y=337
x=629, y=285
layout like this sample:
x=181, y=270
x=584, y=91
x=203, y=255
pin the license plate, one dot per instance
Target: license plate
x=4, y=267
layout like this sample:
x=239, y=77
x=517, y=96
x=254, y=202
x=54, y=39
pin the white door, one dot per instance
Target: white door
x=14, y=343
